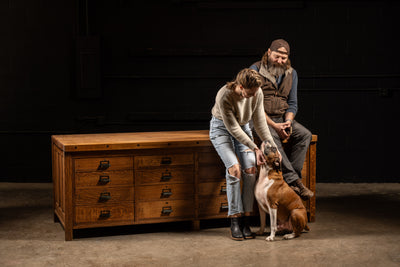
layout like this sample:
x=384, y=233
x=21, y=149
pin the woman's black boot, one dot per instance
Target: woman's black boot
x=246, y=228
x=235, y=229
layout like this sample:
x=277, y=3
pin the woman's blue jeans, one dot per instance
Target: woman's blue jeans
x=230, y=150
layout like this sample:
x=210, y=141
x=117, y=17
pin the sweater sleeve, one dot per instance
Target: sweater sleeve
x=260, y=121
x=233, y=126
x=292, y=98
x=254, y=67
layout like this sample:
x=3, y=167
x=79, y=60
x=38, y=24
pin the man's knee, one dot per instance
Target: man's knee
x=235, y=171
x=308, y=135
x=302, y=132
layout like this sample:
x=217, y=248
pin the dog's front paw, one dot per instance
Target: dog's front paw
x=270, y=238
x=260, y=232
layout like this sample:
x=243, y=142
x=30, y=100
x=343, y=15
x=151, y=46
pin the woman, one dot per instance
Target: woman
x=236, y=104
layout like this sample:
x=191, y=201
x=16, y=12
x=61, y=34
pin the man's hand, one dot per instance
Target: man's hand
x=280, y=129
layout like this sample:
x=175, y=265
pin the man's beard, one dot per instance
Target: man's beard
x=277, y=69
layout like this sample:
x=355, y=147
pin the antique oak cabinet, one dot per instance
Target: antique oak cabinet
x=116, y=179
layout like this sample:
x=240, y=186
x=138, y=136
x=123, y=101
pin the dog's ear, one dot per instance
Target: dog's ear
x=265, y=144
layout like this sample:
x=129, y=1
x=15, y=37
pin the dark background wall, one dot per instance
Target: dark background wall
x=120, y=66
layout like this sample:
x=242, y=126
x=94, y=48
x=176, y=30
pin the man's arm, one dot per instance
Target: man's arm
x=289, y=117
x=292, y=100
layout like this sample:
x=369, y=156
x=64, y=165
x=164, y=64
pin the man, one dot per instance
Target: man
x=280, y=103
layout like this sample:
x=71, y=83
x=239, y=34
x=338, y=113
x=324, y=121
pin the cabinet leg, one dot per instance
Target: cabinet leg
x=69, y=234
x=311, y=218
x=196, y=225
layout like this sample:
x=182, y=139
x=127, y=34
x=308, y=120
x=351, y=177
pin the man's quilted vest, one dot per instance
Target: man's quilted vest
x=275, y=99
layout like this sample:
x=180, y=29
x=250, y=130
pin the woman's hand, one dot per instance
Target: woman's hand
x=280, y=156
x=259, y=156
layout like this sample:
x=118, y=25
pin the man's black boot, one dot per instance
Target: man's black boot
x=247, y=234
x=235, y=229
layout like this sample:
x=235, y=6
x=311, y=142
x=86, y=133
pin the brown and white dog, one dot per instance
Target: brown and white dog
x=274, y=196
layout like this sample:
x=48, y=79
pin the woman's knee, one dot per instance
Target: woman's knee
x=235, y=171
x=251, y=170
x=250, y=176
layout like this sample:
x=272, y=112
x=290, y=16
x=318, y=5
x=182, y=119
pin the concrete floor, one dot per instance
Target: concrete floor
x=356, y=225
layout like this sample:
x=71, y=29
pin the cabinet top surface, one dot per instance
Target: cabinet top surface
x=136, y=140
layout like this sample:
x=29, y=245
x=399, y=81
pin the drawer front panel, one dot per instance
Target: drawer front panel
x=164, y=192
x=211, y=173
x=103, y=164
x=212, y=189
x=213, y=206
x=108, y=178
x=163, y=160
x=104, y=214
x=165, y=175
x=101, y=196
x=165, y=209
x=210, y=158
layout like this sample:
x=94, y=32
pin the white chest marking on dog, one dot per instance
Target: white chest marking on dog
x=262, y=189
x=267, y=185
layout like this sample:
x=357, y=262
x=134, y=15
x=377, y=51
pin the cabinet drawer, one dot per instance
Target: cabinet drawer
x=124, y=177
x=213, y=206
x=211, y=173
x=103, y=164
x=104, y=215
x=165, y=209
x=163, y=160
x=102, y=196
x=165, y=175
x=164, y=192
x=210, y=158
x=212, y=189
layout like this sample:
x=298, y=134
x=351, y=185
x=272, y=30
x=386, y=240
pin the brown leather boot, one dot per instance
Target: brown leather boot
x=301, y=190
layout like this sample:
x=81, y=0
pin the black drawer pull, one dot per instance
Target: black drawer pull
x=105, y=214
x=104, y=179
x=223, y=189
x=166, y=176
x=166, y=160
x=105, y=196
x=224, y=206
x=104, y=164
x=166, y=192
x=166, y=210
